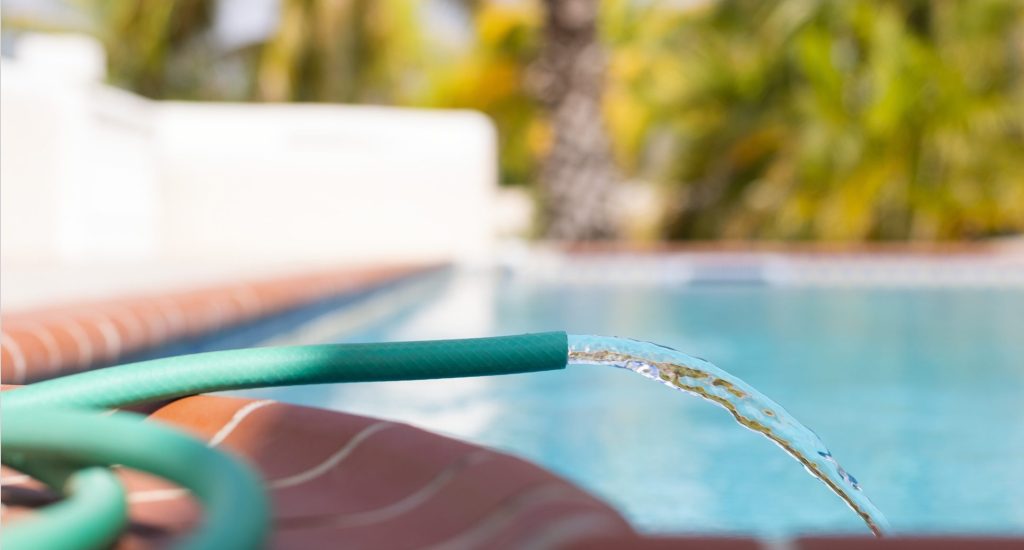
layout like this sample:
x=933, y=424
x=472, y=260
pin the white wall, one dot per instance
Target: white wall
x=76, y=162
x=321, y=182
x=92, y=174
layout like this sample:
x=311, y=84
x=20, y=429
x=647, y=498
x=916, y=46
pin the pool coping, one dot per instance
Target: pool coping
x=944, y=265
x=53, y=341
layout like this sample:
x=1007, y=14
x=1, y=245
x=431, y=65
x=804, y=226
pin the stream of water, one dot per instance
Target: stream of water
x=749, y=407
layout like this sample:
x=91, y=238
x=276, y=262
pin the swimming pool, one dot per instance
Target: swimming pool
x=918, y=392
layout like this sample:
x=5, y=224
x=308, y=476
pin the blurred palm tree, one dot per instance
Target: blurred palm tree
x=579, y=177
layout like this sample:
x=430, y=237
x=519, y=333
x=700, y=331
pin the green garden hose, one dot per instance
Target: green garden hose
x=49, y=423
x=92, y=515
x=227, y=490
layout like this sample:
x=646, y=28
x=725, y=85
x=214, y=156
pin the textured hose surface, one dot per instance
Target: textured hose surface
x=283, y=366
x=228, y=490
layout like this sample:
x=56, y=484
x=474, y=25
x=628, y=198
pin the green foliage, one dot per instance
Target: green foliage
x=323, y=50
x=489, y=74
x=153, y=47
x=353, y=51
x=835, y=120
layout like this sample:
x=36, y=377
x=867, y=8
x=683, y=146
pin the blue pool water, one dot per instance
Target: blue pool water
x=919, y=393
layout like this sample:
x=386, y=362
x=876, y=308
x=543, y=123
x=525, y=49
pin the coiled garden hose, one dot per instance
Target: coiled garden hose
x=91, y=516
x=53, y=431
x=228, y=490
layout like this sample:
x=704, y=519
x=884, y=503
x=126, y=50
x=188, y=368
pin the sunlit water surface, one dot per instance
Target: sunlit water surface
x=919, y=392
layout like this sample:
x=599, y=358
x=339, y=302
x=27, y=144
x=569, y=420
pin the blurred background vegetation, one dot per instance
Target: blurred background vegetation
x=778, y=119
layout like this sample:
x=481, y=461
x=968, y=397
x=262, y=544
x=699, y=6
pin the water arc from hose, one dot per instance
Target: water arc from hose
x=749, y=407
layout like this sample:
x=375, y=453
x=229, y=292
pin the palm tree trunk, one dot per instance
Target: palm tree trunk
x=578, y=176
